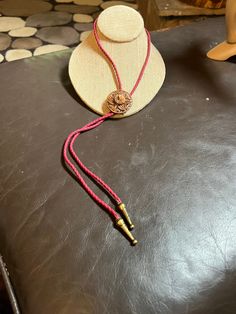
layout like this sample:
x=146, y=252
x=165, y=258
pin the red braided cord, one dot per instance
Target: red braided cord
x=73, y=136
x=145, y=63
x=90, y=173
x=113, y=63
x=119, y=84
x=87, y=127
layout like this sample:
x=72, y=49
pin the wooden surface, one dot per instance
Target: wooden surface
x=210, y=4
x=93, y=79
x=163, y=14
x=178, y=8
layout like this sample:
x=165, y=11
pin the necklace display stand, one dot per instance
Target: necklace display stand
x=122, y=34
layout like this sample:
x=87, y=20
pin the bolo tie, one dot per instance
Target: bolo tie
x=118, y=102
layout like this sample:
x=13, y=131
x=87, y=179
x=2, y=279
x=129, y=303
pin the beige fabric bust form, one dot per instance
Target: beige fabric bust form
x=227, y=49
x=122, y=33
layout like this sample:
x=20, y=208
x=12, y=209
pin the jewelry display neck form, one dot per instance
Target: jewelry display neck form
x=122, y=34
x=120, y=24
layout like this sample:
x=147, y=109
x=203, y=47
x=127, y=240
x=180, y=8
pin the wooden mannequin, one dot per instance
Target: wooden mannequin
x=122, y=34
x=227, y=49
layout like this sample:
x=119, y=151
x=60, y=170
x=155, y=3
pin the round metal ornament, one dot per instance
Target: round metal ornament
x=119, y=101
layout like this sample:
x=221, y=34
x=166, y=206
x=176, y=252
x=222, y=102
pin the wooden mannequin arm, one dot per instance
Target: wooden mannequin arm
x=231, y=21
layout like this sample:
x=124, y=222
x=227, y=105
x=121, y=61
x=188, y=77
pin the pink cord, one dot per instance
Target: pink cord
x=70, y=141
x=90, y=173
x=113, y=63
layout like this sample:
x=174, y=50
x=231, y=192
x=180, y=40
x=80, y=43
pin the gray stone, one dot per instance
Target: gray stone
x=82, y=18
x=96, y=15
x=109, y=4
x=23, y=7
x=64, y=1
x=62, y=35
x=26, y=43
x=49, y=19
x=88, y=2
x=83, y=27
x=5, y=41
x=72, y=8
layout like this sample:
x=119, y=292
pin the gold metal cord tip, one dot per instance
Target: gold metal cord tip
x=122, y=226
x=123, y=211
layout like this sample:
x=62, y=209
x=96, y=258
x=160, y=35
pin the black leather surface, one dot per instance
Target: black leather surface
x=174, y=164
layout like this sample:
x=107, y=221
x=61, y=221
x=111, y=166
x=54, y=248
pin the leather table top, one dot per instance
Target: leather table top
x=173, y=164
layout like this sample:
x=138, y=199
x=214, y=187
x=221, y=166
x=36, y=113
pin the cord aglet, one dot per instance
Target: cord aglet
x=124, y=213
x=122, y=226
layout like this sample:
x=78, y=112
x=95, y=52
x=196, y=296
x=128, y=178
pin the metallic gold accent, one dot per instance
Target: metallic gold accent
x=119, y=101
x=123, y=211
x=121, y=224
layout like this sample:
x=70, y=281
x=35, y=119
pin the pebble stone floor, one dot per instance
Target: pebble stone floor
x=33, y=27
